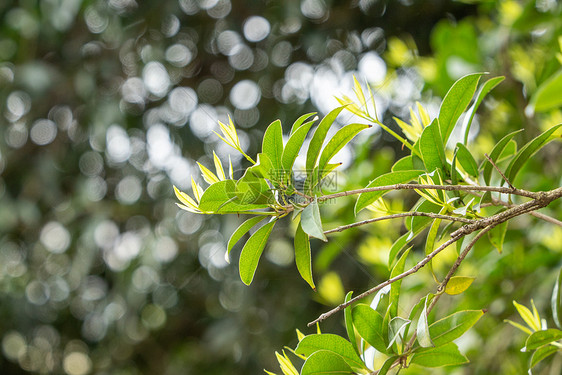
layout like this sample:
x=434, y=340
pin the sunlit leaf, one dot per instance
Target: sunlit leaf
x=318, y=138
x=484, y=90
x=455, y=102
x=445, y=355
x=369, y=325
x=527, y=316
x=293, y=146
x=453, y=326
x=333, y=343
x=422, y=329
x=540, y=338
x=398, y=177
x=272, y=146
x=301, y=120
x=432, y=147
x=466, y=160
x=458, y=284
x=542, y=353
x=303, y=257
x=208, y=176
x=221, y=197
x=241, y=231
x=325, y=362
x=218, y=167
x=338, y=141
x=251, y=253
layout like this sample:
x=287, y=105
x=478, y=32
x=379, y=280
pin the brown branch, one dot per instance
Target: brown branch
x=497, y=189
x=542, y=200
x=399, y=215
x=538, y=215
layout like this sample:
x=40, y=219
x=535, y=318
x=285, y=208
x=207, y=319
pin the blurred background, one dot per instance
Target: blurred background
x=104, y=105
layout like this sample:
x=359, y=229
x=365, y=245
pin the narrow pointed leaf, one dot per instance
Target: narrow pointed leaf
x=395, y=286
x=527, y=151
x=398, y=177
x=387, y=365
x=251, y=253
x=396, y=247
x=548, y=95
x=445, y=355
x=272, y=145
x=396, y=329
x=334, y=343
x=422, y=330
x=242, y=230
x=497, y=236
x=303, y=258
x=325, y=362
x=484, y=90
x=318, y=138
x=369, y=325
x=466, y=160
x=556, y=301
x=540, y=338
x=338, y=141
x=404, y=164
x=349, y=324
x=208, y=176
x=495, y=154
x=542, y=353
x=311, y=222
x=458, y=284
x=301, y=121
x=221, y=197
x=432, y=147
x=527, y=316
x=455, y=102
x=453, y=326
x=293, y=146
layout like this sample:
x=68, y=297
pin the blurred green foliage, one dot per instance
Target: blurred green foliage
x=105, y=104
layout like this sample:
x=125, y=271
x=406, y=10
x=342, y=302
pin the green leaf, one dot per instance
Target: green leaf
x=497, y=236
x=466, y=160
x=311, y=222
x=369, y=325
x=325, y=362
x=458, y=284
x=398, y=177
x=542, y=353
x=495, y=154
x=318, y=138
x=303, y=258
x=430, y=241
x=387, y=365
x=251, y=253
x=301, y=120
x=484, y=90
x=349, y=324
x=273, y=146
x=415, y=309
x=528, y=317
x=417, y=223
x=221, y=197
x=251, y=188
x=455, y=102
x=540, y=338
x=556, y=301
x=396, y=247
x=338, y=141
x=404, y=164
x=445, y=355
x=294, y=145
x=264, y=166
x=333, y=343
x=395, y=286
x=527, y=151
x=548, y=94
x=422, y=329
x=432, y=147
x=453, y=326
x=242, y=230
x=397, y=324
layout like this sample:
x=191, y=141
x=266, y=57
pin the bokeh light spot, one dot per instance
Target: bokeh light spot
x=245, y=94
x=256, y=28
x=43, y=132
x=77, y=363
x=55, y=237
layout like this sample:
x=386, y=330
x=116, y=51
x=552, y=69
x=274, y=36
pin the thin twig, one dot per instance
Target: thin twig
x=499, y=171
x=538, y=215
x=497, y=189
x=396, y=216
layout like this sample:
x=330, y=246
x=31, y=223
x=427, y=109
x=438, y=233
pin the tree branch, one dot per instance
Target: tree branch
x=497, y=189
x=399, y=215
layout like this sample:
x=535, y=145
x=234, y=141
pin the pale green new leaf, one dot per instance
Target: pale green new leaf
x=422, y=329
x=303, y=257
x=311, y=222
x=369, y=325
x=333, y=343
x=398, y=177
x=455, y=102
x=325, y=362
x=453, y=326
x=251, y=253
x=528, y=317
x=318, y=138
x=218, y=167
x=445, y=355
x=338, y=141
x=527, y=151
x=208, y=176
